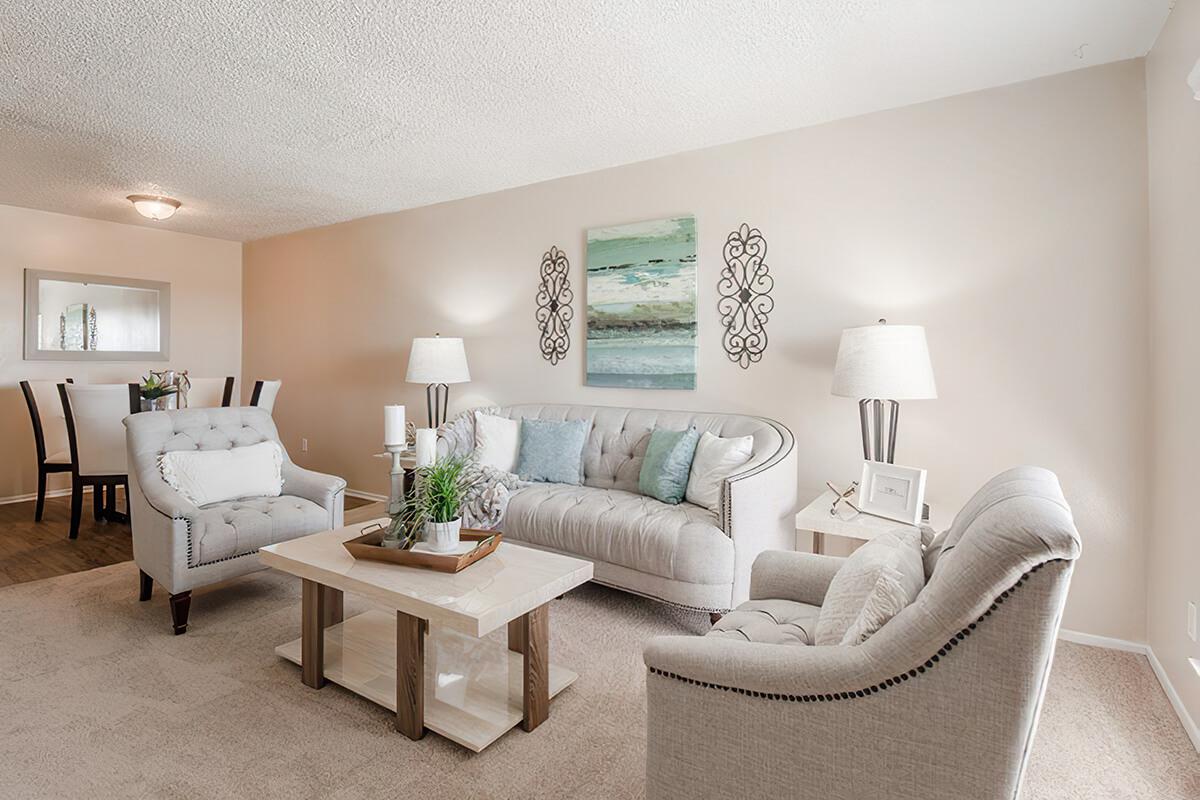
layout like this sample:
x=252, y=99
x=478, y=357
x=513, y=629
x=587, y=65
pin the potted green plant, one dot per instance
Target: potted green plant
x=433, y=510
x=156, y=392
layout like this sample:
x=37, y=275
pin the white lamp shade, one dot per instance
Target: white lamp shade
x=886, y=362
x=438, y=360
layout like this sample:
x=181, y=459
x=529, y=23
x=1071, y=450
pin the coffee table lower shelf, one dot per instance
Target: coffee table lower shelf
x=473, y=687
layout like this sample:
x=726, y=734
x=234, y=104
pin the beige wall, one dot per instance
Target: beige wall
x=206, y=310
x=1010, y=222
x=1174, y=145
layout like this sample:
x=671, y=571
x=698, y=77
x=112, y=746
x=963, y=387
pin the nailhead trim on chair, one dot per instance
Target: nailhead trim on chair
x=187, y=521
x=879, y=687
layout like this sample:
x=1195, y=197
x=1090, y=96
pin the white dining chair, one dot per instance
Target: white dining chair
x=94, y=416
x=264, y=394
x=210, y=392
x=49, y=434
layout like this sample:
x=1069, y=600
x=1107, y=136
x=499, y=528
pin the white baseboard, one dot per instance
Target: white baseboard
x=366, y=495
x=25, y=498
x=1091, y=640
x=1108, y=643
x=1189, y=724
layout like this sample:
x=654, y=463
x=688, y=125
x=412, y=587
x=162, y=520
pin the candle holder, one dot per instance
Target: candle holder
x=396, y=492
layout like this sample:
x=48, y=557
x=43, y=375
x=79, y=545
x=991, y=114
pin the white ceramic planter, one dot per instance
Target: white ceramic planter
x=442, y=537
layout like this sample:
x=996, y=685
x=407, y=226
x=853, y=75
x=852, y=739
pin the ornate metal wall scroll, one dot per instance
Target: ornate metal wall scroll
x=745, y=290
x=554, y=312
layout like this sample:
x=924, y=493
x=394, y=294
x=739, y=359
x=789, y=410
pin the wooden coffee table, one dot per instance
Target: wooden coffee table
x=424, y=657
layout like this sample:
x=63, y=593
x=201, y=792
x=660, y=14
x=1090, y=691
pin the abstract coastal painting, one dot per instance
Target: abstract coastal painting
x=641, y=305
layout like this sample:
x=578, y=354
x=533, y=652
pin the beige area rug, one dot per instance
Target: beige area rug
x=100, y=700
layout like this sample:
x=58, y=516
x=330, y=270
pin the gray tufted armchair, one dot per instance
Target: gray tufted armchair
x=182, y=546
x=940, y=704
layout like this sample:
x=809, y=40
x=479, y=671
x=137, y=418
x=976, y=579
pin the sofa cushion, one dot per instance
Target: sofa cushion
x=877, y=582
x=238, y=527
x=769, y=622
x=552, y=451
x=497, y=441
x=681, y=542
x=664, y=473
x=716, y=459
x=616, y=444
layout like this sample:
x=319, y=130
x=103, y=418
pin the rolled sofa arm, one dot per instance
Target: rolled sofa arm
x=788, y=575
x=327, y=491
x=758, y=508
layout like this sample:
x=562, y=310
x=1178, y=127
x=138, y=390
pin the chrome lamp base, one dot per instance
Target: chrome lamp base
x=879, y=441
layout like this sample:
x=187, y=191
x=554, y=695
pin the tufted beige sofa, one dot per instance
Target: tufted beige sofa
x=685, y=554
x=182, y=546
x=940, y=704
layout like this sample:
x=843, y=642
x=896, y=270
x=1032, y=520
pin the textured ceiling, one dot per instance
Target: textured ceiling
x=268, y=117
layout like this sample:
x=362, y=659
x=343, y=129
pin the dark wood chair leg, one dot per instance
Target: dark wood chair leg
x=147, y=586
x=180, y=605
x=98, y=502
x=41, y=499
x=76, y=506
x=110, y=500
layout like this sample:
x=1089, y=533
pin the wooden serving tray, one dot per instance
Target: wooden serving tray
x=367, y=546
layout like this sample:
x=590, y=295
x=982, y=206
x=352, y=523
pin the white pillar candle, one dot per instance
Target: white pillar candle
x=426, y=446
x=393, y=426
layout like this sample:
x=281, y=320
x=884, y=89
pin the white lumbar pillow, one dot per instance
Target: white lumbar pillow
x=876, y=582
x=214, y=476
x=497, y=441
x=715, y=460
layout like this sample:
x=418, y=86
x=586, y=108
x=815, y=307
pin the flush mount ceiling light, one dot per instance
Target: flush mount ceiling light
x=153, y=206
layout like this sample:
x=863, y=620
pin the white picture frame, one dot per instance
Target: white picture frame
x=892, y=492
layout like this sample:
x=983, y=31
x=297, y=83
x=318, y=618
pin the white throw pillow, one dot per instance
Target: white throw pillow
x=877, y=582
x=715, y=460
x=214, y=476
x=496, y=441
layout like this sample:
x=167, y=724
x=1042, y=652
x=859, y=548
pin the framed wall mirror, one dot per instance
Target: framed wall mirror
x=71, y=316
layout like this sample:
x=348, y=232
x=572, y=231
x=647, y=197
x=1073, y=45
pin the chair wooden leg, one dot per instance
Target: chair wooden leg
x=98, y=502
x=180, y=605
x=76, y=506
x=147, y=586
x=41, y=498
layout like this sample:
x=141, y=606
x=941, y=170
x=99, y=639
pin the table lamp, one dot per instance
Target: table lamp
x=437, y=362
x=883, y=364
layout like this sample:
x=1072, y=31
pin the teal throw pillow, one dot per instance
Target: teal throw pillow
x=668, y=463
x=552, y=451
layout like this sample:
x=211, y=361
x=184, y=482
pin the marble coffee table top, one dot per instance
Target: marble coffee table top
x=483, y=597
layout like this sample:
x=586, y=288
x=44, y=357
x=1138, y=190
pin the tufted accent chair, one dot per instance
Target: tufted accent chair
x=682, y=554
x=941, y=703
x=182, y=546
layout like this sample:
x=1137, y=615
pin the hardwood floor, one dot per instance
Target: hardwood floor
x=364, y=510
x=30, y=551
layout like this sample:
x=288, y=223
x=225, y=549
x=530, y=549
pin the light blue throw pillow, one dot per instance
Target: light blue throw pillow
x=668, y=463
x=551, y=451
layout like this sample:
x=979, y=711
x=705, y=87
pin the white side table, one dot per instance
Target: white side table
x=815, y=518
